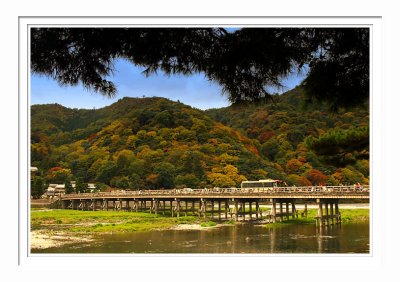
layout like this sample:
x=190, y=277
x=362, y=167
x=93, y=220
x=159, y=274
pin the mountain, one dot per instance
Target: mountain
x=284, y=128
x=137, y=143
x=149, y=143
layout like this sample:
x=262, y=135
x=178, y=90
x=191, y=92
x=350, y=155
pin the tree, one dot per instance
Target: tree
x=341, y=147
x=220, y=180
x=347, y=176
x=106, y=171
x=37, y=187
x=59, y=175
x=243, y=62
x=81, y=186
x=316, y=177
x=187, y=180
x=68, y=186
x=137, y=181
x=121, y=182
x=270, y=149
x=297, y=180
x=293, y=166
x=166, y=175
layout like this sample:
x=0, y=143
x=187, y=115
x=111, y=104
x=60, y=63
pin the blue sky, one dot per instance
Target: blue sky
x=193, y=90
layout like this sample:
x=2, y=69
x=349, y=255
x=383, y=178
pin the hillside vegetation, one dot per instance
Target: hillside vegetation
x=152, y=143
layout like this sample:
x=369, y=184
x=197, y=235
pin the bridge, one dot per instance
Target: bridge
x=233, y=203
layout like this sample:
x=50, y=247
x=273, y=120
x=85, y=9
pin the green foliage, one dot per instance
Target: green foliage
x=106, y=172
x=37, y=186
x=58, y=175
x=347, y=176
x=166, y=173
x=194, y=149
x=81, y=186
x=103, y=221
x=187, y=180
x=68, y=186
x=341, y=147
x=208, y=224
x=270, y=148
x=242, y=62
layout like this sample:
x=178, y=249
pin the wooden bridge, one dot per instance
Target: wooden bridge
x=230, y=203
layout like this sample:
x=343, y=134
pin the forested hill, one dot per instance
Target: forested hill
x=157, y=143
x=304, y=140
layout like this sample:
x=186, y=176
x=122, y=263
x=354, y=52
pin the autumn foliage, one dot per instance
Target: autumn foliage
x=155, y=143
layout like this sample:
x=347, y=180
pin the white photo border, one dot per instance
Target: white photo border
x=256, y=261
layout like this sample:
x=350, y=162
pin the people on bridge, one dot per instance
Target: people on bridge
x=357, y=187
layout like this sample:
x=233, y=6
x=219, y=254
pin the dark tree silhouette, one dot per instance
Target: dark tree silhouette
x=341, y=147
x=243, y=62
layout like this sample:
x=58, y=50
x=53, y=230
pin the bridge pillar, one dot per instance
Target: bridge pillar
x=226, y=209
x=305, y=212
x=163, y=212
x=202, y=208
x=219, y=210
x=274, y=210
x=244, y=210
x=212, y=209
x=318, y=218
x=257, y=209
x=339, y=217
x=236, y=210
x=294, y=213
x=326, y=213
x=287, y=210
x=178, y=207
x=144, y=205
x=331, y=214
x=250, y=212
x=136, y=205
x=151, y=206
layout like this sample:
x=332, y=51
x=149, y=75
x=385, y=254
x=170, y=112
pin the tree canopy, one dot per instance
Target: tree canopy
x=244, y=62
x=127, y=146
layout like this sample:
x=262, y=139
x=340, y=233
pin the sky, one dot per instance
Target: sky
x=194, y=90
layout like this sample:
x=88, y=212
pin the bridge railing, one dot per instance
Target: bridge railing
x=307, y=190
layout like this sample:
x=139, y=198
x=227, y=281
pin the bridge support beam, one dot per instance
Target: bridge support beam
x=236, y=210
x=226, y=209
x=331, y=215
x=284, y=209
x=273, y=210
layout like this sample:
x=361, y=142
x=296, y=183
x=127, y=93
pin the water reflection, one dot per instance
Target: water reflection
x=241, y=238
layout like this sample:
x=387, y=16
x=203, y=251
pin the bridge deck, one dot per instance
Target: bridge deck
x=236, y=202
x=308, y=192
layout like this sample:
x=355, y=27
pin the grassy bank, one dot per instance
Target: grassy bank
x=348, y=216
x=102, y=221
x=92, y=222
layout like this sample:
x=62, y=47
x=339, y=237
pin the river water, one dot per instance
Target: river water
x=241, y=238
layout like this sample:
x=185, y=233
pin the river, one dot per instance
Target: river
x=248, y=238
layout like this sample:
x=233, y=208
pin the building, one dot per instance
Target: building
x=55, y=190
x=59, y=189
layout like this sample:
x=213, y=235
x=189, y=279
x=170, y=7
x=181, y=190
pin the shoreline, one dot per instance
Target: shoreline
x=57, y=228
x=42, y=239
